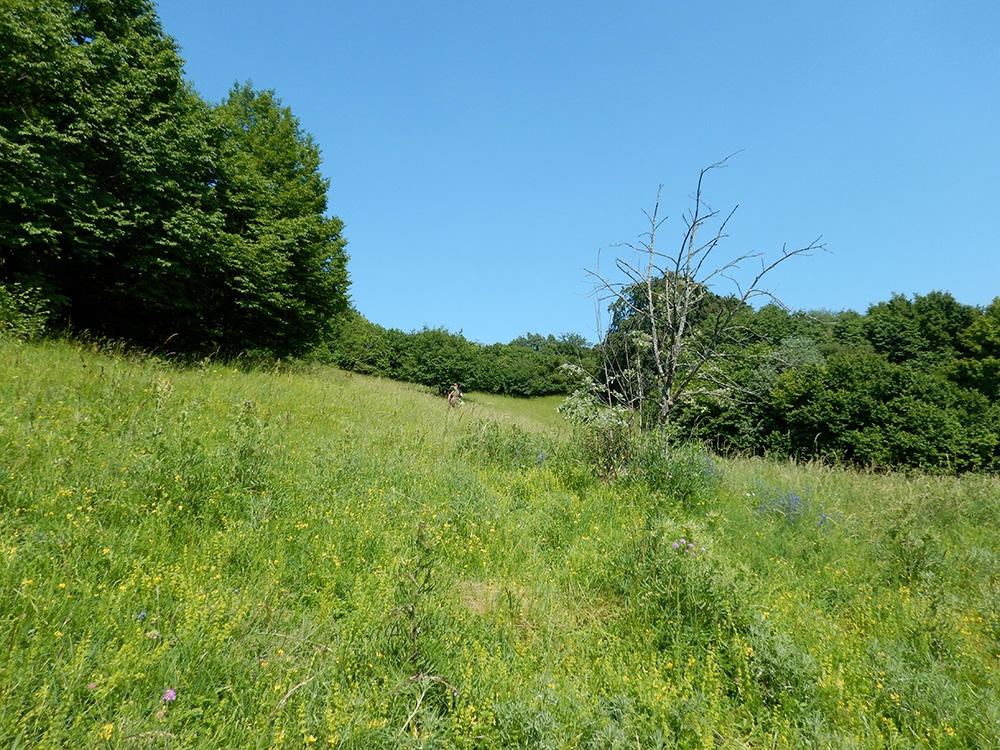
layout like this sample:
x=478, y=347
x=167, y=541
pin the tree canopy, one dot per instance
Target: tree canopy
x=142, y=212
x=530, y=365
x=911, y=383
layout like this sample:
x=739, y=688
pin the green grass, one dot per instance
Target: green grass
x=311, y=558
x=532, y=414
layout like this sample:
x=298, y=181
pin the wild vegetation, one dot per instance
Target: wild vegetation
x=133, y=210
x=140, y=212
x=530, y=365
x=206, y=546
x=909, y=384
x=295, y=556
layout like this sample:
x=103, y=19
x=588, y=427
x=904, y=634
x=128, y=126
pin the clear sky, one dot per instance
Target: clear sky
x=482, y=154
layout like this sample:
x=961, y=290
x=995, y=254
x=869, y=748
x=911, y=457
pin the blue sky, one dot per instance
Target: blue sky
x=483, y=154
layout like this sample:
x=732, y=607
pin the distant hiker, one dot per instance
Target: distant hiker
x=454, y=396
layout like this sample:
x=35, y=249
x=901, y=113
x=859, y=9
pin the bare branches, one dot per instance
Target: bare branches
x=665, y=313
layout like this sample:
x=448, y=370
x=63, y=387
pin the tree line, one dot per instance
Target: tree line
x=138, y=211
x=912, y=383
x=530, y=365
x=909, y=384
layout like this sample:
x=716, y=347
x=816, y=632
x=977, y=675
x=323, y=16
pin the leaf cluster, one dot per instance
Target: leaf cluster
x=139, y=211
x=909, y=384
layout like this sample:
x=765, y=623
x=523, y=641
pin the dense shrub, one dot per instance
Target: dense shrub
x=22, y=312
x=437, y=358
x=910, y=384
x=863, y=409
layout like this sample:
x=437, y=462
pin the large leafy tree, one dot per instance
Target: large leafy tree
x=925, y=332
x=107, y=201
x=979, y=367
x=141, y=212
x=284, y=265
x=40, y=72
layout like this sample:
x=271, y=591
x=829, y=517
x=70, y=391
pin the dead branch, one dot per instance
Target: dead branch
x=664, y=296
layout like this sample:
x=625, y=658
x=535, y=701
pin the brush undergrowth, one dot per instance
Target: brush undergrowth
x=296, y=557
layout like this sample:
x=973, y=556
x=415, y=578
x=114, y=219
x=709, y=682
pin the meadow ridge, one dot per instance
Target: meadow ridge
x=211, y=556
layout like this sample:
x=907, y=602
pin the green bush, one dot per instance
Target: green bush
x=685, y=473
x=863, y=410
x=23, y=314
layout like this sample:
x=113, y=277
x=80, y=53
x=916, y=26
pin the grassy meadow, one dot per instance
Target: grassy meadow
x=216, y=557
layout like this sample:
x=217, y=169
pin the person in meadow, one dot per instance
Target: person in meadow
x=454, y=396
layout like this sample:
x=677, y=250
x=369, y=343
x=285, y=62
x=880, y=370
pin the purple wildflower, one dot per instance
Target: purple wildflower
x=169, y=695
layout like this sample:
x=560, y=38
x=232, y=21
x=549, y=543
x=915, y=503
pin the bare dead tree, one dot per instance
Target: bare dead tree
x=668, y=296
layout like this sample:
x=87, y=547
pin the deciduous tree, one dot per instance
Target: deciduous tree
x=284, y=267
x=140, y=212
x=106, y=167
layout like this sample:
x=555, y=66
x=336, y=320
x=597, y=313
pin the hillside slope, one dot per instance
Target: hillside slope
x=211, y=557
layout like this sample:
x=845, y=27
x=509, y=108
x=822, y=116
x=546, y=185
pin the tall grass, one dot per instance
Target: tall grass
x=296, y=557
